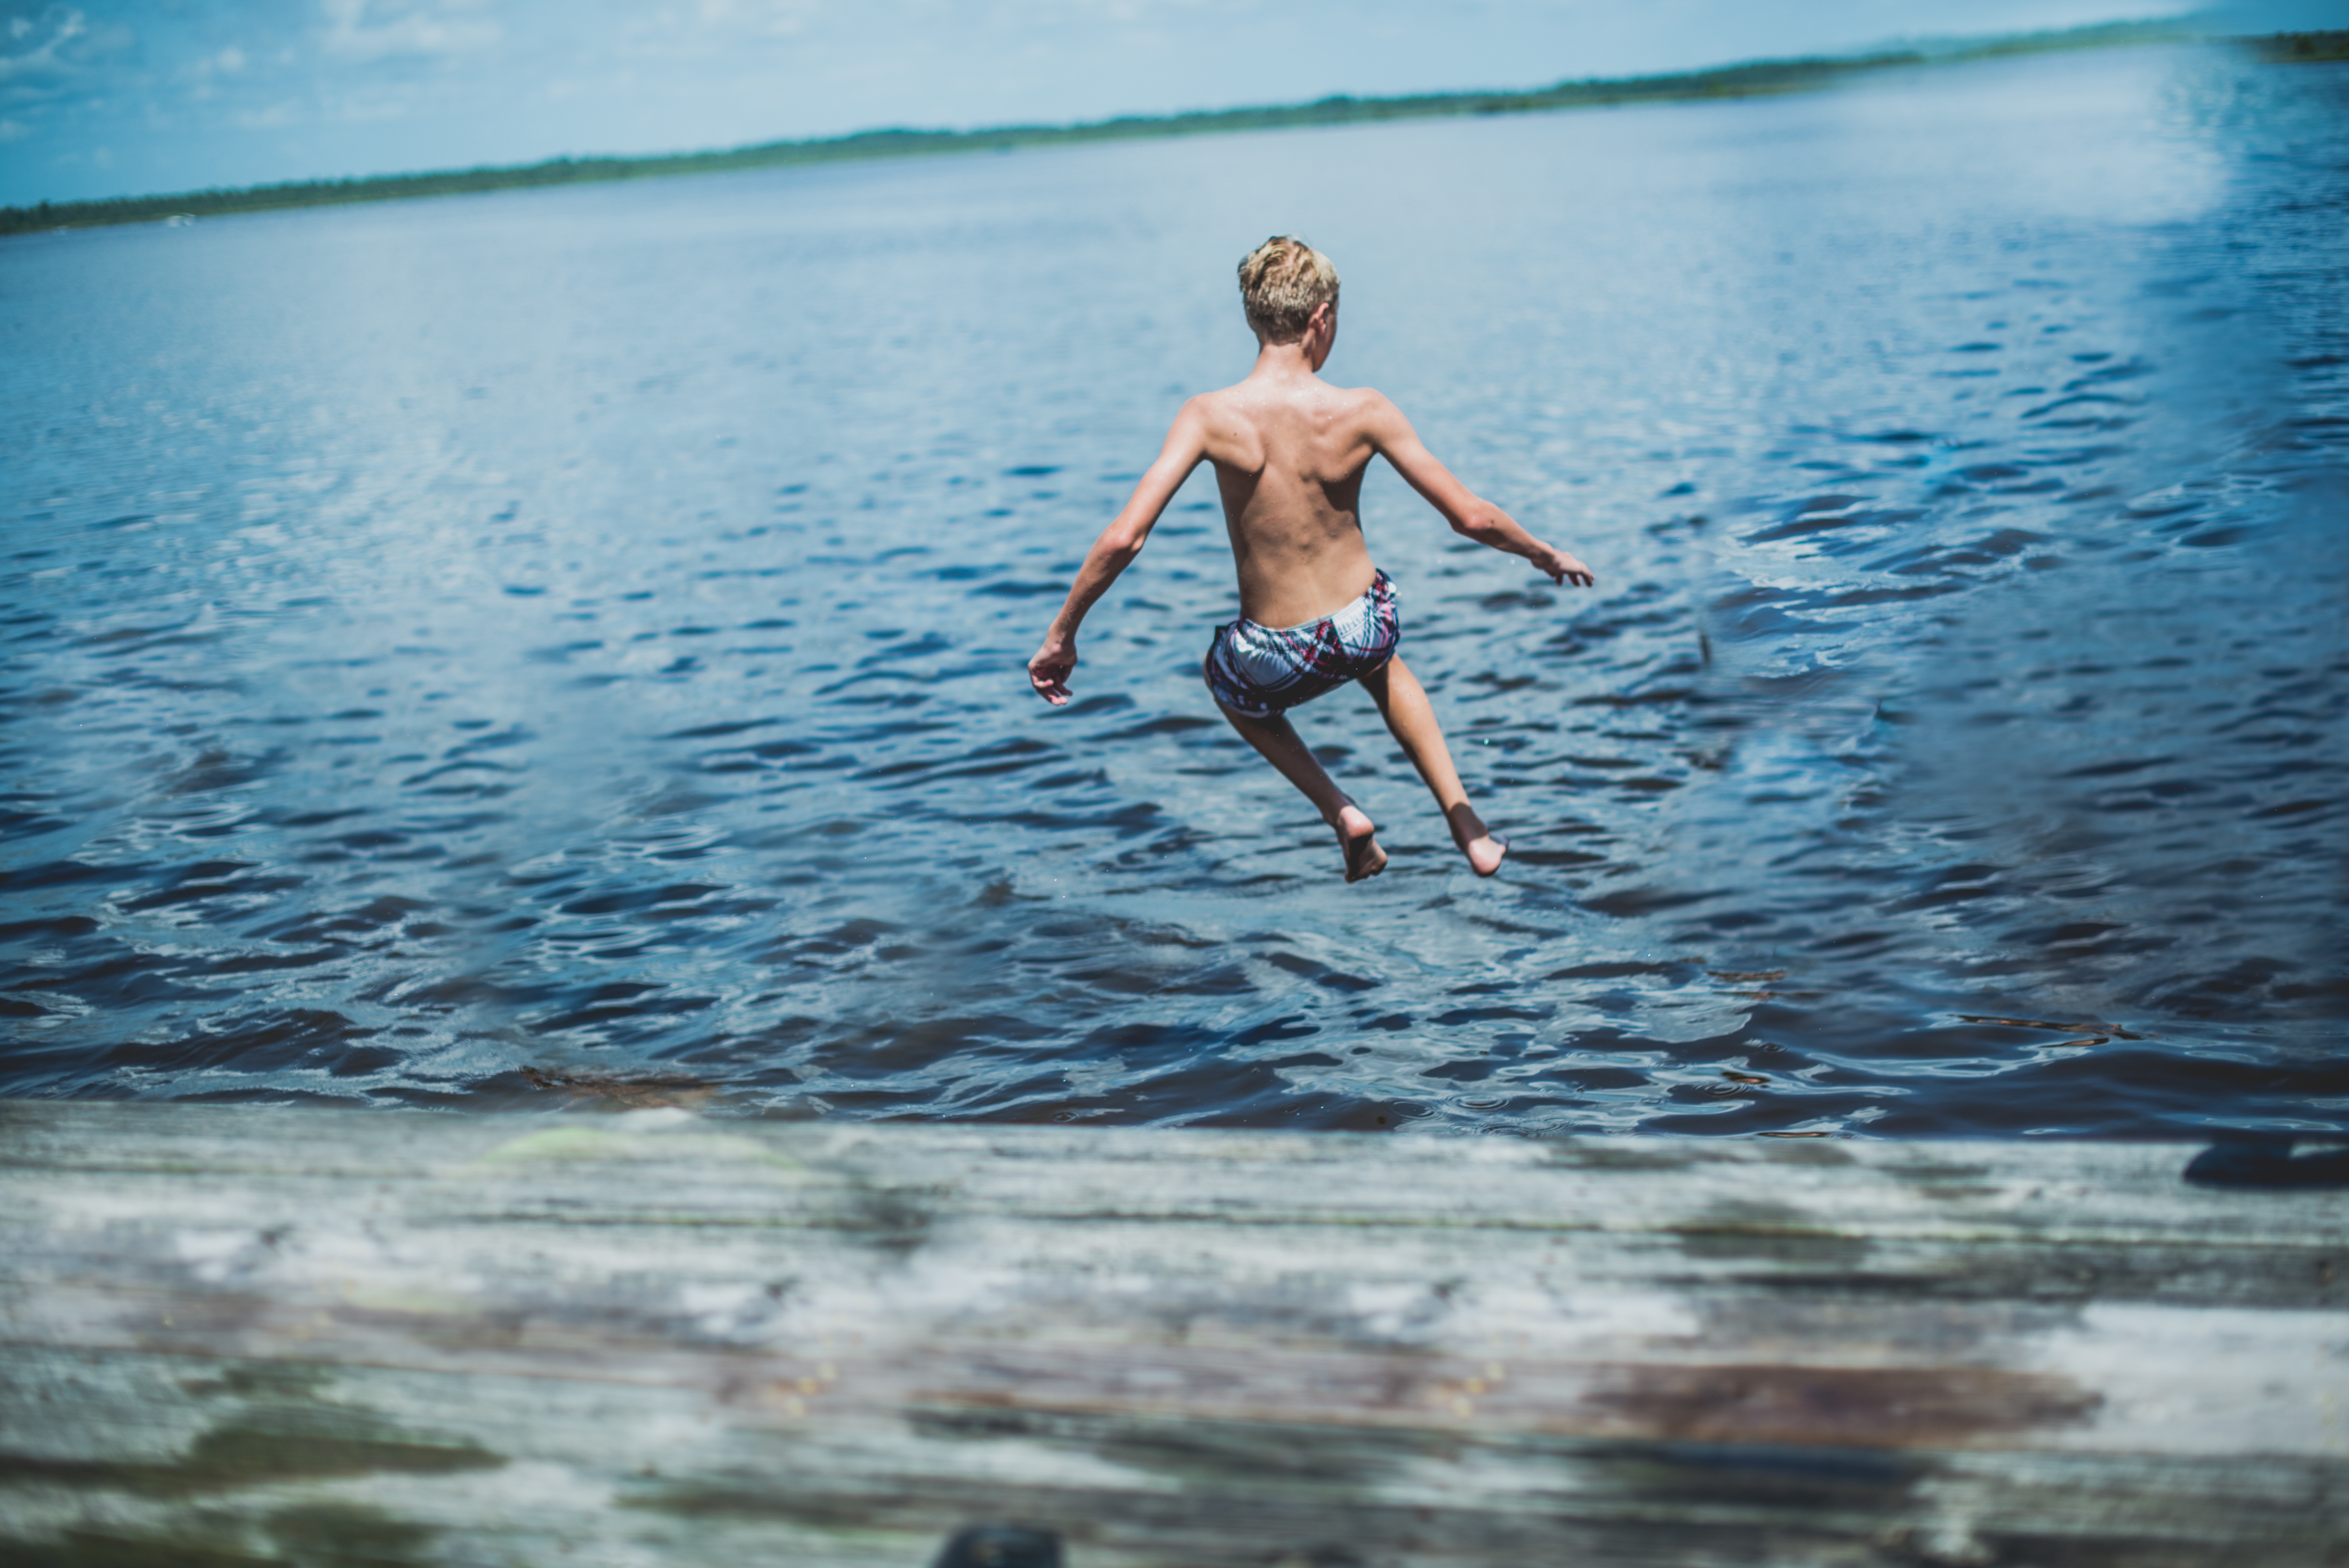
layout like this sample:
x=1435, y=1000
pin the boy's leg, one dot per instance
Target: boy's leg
x=1282, y=747
x=1402, y=703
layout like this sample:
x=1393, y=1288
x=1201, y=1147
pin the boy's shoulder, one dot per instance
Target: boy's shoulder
x=1246, y=399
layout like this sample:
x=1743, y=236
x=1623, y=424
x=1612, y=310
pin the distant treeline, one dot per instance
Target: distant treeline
x=1729, y=82
x=2309, y=46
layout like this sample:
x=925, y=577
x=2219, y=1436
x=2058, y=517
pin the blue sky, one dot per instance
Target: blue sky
x=102, y=98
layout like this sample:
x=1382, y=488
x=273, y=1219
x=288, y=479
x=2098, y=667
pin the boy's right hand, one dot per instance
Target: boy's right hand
x=1563, y=568
x=1049, y=671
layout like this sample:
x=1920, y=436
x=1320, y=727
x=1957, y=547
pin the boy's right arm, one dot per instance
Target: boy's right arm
x=1470, y=514
x=1113, y=552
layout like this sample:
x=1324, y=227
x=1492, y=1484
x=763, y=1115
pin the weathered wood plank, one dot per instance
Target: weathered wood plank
x=280, y=1337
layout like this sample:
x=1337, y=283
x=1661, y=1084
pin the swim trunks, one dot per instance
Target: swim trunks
x=1262, y=671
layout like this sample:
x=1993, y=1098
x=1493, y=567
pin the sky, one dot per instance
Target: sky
x=106, y=97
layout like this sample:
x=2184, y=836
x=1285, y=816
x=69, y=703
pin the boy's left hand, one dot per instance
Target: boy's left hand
x=1049, y=671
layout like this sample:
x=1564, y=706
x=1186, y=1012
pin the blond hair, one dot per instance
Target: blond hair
x=1281, y=283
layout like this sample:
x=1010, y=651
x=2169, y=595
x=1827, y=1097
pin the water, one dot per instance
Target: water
x=566, y=647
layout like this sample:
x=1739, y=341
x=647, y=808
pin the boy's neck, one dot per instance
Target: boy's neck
x=1288, y=361
x=1303, y=356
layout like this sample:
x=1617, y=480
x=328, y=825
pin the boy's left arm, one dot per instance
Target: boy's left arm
x=1114, y=551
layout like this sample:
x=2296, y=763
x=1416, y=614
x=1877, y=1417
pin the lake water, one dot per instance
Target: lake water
x=567, y=646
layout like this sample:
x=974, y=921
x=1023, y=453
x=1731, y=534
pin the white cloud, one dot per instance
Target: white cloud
x=229, y=62
x=773, y=17
x=42, y=58
x=275, y=117
x=374, y=106
x=363, y=30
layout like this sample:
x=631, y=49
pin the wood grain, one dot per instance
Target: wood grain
x=231, y=1336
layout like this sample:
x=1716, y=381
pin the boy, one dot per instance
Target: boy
x=1289, y=451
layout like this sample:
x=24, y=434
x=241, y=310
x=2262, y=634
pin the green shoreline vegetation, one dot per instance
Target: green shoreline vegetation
x=1753, y=79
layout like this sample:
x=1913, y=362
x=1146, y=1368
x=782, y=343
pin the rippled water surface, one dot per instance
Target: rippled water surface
x=566, y=645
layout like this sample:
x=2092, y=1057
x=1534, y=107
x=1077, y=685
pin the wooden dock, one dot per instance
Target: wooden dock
x=234, y=1337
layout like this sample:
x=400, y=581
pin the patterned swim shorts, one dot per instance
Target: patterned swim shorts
x=1262, y=671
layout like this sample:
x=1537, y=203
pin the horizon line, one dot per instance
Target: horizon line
x=1739, y=79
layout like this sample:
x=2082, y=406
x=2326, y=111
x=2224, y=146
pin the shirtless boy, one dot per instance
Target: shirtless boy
x=1289, y=451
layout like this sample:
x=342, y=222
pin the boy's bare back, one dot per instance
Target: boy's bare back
x=1289, y=455
x=1290, y=451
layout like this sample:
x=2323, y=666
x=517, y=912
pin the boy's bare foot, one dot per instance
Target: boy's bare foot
x=1358, y=836
x=1475, y=841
